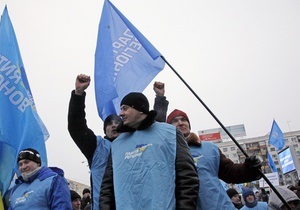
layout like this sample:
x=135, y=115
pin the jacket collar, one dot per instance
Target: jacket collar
x=147, y=122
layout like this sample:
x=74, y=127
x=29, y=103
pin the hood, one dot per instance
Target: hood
x=288, y=195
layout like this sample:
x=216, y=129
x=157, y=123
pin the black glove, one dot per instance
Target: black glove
x=253, y=162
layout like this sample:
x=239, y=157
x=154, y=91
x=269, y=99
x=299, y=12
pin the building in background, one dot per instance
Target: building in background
x=77, y=186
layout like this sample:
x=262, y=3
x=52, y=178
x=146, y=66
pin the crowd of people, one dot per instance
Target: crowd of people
x=146, y=160
x=262, y=200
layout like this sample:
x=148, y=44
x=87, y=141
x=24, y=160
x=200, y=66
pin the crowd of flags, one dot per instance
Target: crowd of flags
x=125, y=61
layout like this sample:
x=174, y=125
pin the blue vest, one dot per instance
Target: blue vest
x=144, y=168
x=38, y=194
x=211, y=195
x=98, y=168
x=260, y=206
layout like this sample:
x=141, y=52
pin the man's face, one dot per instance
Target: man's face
x=250, y=198
x=111, y=129
x=27, y=166
x=182, y=124
x=235, y=198
x=130, y=115
x=76, y=204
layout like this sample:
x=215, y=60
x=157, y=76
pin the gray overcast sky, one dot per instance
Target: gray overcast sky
x=241, y=57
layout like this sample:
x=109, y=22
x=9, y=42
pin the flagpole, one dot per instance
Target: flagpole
x=227, y=132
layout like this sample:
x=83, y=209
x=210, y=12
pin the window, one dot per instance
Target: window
x=272, y=149
x=225, y=149
x=232, y=148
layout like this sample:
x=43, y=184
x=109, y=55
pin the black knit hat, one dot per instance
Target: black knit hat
x=86, y=190
x=29, y=154
x=137, y=101
x=231, y=192
x=109, y=119
x=74, y=195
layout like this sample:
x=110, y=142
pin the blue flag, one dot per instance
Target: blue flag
x=276, y=136
x=125, y=61
x=271, y=163
x=20, y=125
x=224, y=185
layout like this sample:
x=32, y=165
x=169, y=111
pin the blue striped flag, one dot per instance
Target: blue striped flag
x=20, y=125
x=125, y=61
x=276, y=136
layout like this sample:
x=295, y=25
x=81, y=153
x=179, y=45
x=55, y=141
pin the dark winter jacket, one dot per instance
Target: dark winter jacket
x=187, y=183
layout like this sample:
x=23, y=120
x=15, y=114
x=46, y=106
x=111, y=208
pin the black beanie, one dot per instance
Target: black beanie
x=74, y=195
x=86, y=190
x=137, y=101
x=231, y=192
x=29, y=154
x=109, y=119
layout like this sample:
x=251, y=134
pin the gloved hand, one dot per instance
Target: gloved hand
x=252, y=162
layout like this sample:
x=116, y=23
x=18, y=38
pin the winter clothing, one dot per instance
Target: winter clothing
x=95, y=148
x=263, y=196
x=86, y=190
x=137, y=101
x=259, y=206
x=161, y=107
x=176, y=113
x=86, y=200
x=30, y=154
x=220, y=168
x=246, y=191
x=275, y=203
x=143, y=153
x=47, y=189
x=110, y=118
x=207, y=160
x=74, y=195
x=232, y=192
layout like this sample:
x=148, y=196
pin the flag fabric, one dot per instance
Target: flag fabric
x=224, y=185
x=125, y=61
x=271, y=163
x=276, y=136
x=1, y=202
x=20, y=125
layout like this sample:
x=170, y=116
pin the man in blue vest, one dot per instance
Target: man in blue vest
x=96, y=148
x=150, y=166
x=213, y=165
x=38, y=187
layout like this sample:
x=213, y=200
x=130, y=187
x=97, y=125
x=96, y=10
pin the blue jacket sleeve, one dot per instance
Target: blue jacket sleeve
x=60, y=198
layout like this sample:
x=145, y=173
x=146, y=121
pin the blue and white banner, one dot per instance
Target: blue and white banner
x=125, y=61
x=20, y=125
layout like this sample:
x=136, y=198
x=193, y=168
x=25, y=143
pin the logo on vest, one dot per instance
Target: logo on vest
x=196, y=159
x=137, y=152
x=23, y=198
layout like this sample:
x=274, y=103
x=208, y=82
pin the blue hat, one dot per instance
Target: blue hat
x=247, y=191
